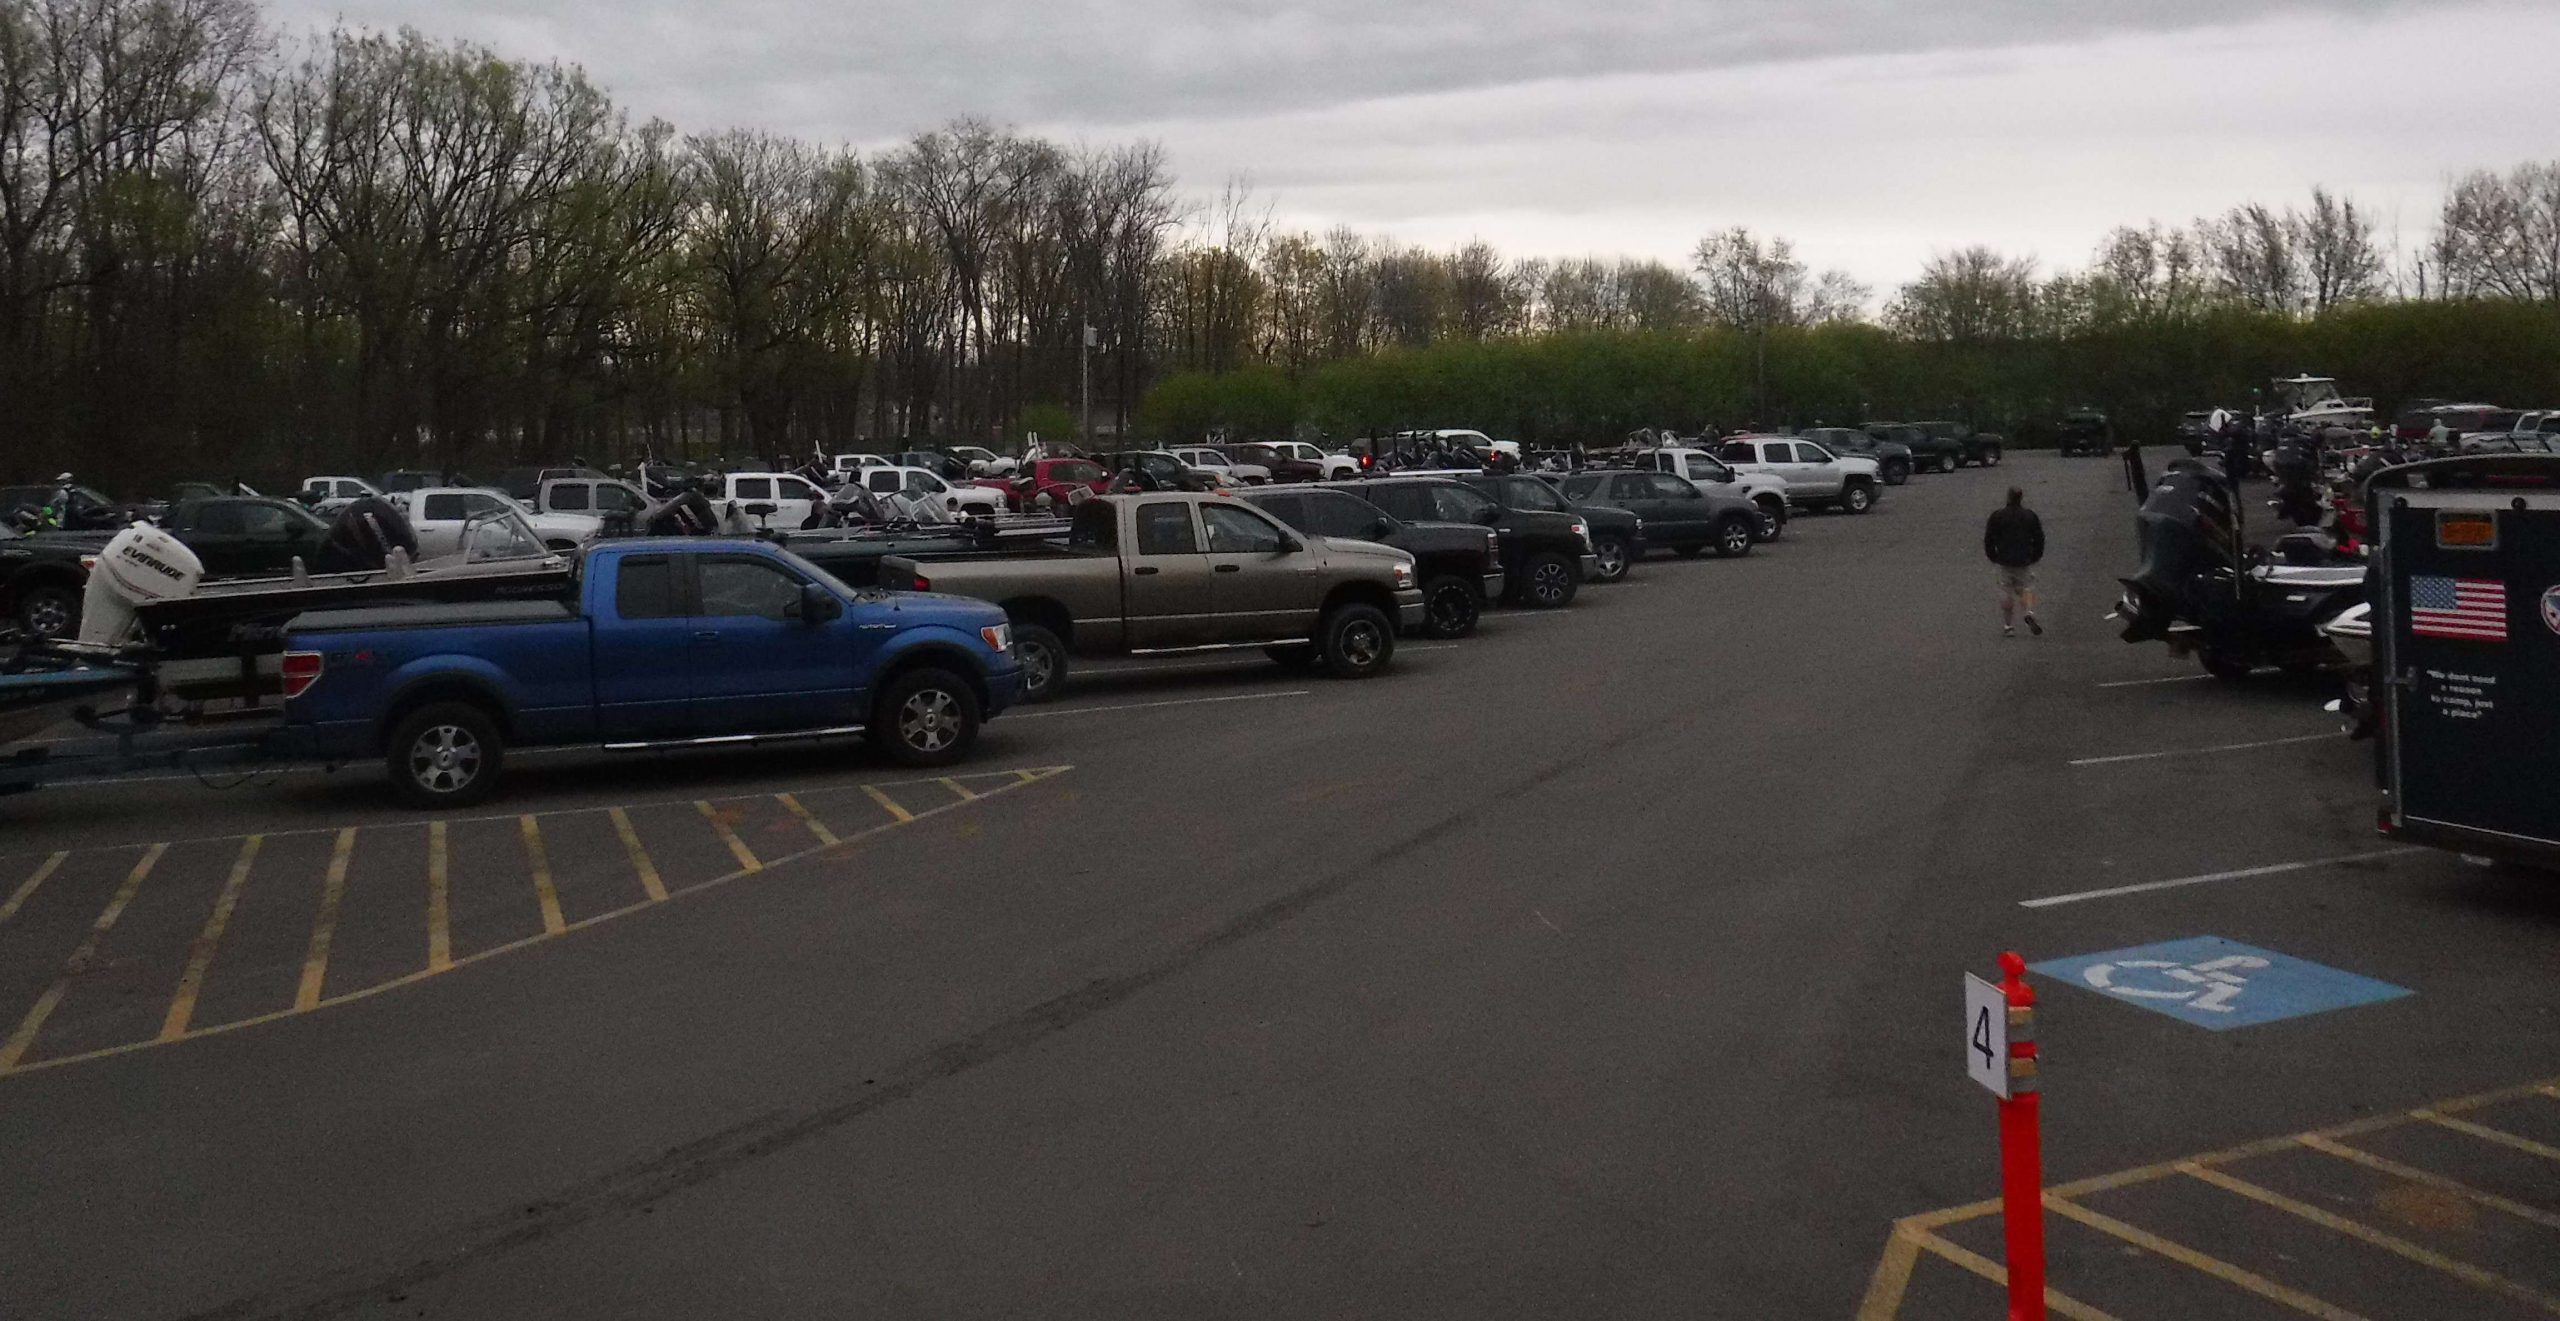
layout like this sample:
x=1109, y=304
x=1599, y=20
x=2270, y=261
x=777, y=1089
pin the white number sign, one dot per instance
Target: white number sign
x=1986, y=1035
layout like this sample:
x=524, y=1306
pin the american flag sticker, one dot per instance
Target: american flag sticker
x=2472, y=609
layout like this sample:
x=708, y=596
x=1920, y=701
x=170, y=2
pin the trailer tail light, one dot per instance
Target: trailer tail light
x=301, y=670
x=921, y=584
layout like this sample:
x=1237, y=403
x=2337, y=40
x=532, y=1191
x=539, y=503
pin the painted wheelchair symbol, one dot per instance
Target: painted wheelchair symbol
x=2210, y=986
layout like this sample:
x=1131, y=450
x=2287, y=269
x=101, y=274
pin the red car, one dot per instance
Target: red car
x=1055, y=479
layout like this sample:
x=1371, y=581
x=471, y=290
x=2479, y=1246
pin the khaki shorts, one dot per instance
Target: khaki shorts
x=2016, y=582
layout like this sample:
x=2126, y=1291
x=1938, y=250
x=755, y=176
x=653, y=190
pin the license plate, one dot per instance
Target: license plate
x=2466, y=529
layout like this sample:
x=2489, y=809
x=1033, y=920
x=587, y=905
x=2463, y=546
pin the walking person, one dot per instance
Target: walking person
x=2013, y=540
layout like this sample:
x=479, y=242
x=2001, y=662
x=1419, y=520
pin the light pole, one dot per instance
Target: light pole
x=1084, y=373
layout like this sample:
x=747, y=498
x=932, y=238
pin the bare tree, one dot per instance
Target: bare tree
x=2334, y=243
x=1969, y=296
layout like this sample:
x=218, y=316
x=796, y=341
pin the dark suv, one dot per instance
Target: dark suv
x=1928, y=453
x=1675, y=512
x=1981, y=448
x=1459, y=564
x=1894, y=458
x=1545, y=553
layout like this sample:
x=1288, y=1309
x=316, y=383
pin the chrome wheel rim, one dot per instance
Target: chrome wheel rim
x=1550, y=582
x=1613, y=559
x=1038, y=667
x=1362, y=643
x=1737, y=539
x=49, y=615
x=444, y=759
x=929, y=721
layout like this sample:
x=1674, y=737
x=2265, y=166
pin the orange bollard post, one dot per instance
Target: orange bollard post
x=2022, y=1149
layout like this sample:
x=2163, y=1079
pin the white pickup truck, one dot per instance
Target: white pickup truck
x=438, y=514
x=1816, y=478
x=1767, y=492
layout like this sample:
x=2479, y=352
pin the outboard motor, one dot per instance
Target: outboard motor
x=687, y=514
x=140, y=565
x=364, y=534
x=2296, y=470
x=2190, y=538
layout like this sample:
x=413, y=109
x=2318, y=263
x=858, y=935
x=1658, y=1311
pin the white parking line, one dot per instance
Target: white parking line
x=2271, y=869
x=2197, y=752
x=1231, y=663
x=2144, y=683
x=1149, y=706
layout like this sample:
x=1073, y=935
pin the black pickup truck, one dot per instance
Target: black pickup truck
x=1546, y=549
x=43, y=576
x=1981, y=448
x=1459, y=564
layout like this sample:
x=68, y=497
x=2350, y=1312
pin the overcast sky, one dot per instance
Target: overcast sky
x=1872, y=132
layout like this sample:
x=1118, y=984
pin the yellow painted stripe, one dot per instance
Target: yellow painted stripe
x=2502, y=1137
x=816, y=826
x=478, y=955
x=2055, y=1301
x=2219, y=1269
x=956, y=787
x=33, y=1023
x=182, y=1005
x=439, y=900
x=888, y=803
x=2464, y=1271
x=1025, y=777
x=649, y=882
x=737, y=847
x=28, y=886
x=2431, y=1179
x=540, y=859
x=1892, y=1278
x=324, y=925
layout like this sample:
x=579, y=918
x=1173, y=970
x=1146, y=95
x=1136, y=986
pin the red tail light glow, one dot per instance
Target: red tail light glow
x=922, y=584
x=301, y=670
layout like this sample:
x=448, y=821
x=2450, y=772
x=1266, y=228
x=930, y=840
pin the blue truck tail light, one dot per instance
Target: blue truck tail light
x=301, y=670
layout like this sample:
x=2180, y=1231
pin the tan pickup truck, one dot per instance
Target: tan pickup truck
x=1182, y=572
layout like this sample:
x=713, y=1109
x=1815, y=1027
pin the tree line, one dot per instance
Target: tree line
x=227, y=252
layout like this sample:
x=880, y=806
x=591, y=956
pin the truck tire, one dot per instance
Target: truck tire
x=1613, y=557
x=1734, y=537
x=1044, y=662
x=926, y=717
x=1950, y=462
x=1547, y=581
x=1858, y=497
x=1450, y=606
x=1990, y=456
x=445, y=754
x=49, y=611
x=1356, y=641
x=1897, y=473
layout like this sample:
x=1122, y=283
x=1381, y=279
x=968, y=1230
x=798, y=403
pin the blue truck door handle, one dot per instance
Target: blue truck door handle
x=706, y=635
x=1144, y=570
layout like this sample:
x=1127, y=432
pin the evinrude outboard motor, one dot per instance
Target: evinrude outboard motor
x=139, y=565
x=364, y=535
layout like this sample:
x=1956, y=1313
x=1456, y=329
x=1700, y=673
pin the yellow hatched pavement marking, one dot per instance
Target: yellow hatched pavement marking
x=956, y=787
x=720, y=826
x=182, y=1005
x=2189, y=1257
x=324, y=924
x=2431, y=1179
x=1893, y=1276
x=439, y=900
x=2364, y=1233
x=2056, y=1302
x=649, y=883
x=816, y=826
x=33, y=1023
x=316, y=966
x=889, y=804
x=540, y=860
x=28, y=887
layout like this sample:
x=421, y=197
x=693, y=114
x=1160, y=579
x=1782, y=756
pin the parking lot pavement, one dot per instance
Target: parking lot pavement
x=117, y=949
x=2441, y=1210
x=1603, y=964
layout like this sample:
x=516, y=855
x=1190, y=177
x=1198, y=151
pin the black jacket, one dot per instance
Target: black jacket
x=2013, y=538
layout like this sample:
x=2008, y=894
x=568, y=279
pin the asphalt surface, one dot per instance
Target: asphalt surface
x=1605, y=964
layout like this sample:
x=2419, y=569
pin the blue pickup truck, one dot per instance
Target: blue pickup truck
x=663, y=643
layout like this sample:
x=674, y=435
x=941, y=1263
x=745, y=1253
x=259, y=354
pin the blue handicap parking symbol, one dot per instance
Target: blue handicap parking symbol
x=2218, y=983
